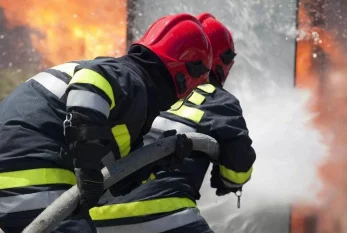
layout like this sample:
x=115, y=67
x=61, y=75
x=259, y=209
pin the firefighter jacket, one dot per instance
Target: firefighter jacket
x=171, y=196
x=34, y=168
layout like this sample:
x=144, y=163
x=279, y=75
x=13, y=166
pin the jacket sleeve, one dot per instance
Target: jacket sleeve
x=217, y=113
x=229, y=128
x=93, y=89
x=92, y=93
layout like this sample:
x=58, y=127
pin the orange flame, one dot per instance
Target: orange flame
x=64, y=30
x=322, y=67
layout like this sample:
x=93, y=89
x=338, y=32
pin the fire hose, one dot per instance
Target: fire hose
x=63, y=206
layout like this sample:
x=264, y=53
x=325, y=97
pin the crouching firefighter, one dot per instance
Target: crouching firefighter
x=56, y=127
x=166, y=202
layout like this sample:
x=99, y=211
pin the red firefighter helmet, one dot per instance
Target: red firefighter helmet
x=181, y=43
x=222, y=45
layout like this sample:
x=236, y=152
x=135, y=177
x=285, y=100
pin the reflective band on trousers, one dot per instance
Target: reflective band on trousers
x=51, y=83
x=40, y=176
x=159, y=225
x=164, y=124
x=140, y=208
x=87, y=99
x=25, y=202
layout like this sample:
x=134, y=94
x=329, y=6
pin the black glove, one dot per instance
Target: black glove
x=184, y=147
x=90, y=183
x=88, y=143
x=219, y=185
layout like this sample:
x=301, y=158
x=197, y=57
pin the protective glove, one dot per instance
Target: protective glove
x=184, y=147
x=90, y=183
x=220, y=186
x=88, y=142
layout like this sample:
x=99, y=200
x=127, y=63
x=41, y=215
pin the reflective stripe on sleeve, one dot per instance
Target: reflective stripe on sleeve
x=40, y=176
x=26, y=202
x=123, y=139
x=88, y=76
x=230, y=184
x=51, y=83
x=164, y=124
x=159, y=225
x=235, y=177
x=67, y=68
x=190, y=113
x=208, y=88
x=87, y=99
x=196, y=98
x=176, y=105
x=140, y=208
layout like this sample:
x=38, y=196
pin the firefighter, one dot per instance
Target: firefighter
x=166, y=202
x=56, y=127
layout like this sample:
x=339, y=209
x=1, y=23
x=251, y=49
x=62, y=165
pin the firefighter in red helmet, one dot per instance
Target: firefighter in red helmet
x=56, y=127
x=166, y=201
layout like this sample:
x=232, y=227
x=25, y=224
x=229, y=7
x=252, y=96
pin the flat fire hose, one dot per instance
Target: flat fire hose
x=63, y=206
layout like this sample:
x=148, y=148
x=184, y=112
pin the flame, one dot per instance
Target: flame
x=322, y=67
x=64, y=30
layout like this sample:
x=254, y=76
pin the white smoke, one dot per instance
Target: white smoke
x=288, y=151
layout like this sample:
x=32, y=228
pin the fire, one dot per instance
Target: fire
x=322, y=66
x=64, y=30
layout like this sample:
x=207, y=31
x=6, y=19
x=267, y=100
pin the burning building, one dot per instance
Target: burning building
x=36, y=34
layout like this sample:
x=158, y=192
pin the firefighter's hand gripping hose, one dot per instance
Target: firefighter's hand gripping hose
x=68, y=201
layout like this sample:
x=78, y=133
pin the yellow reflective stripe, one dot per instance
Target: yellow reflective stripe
x=151, y=177
x=196, y=98
x=192, y=114
x=140, y=208
x=177, y=104
x=123, y=139
x=40, y=176
x=235, y=177
x=208, y=88
x=68, y=68
x=94, y=78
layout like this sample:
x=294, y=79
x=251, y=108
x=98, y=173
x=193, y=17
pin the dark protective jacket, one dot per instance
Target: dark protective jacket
x=34, y=168
x=210, y=110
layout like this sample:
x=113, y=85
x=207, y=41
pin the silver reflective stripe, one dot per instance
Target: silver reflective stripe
x=231, y=185
x=87, y=99
x=166, y=124
x=159, y=225
x=25, y=202
x=51, y=83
